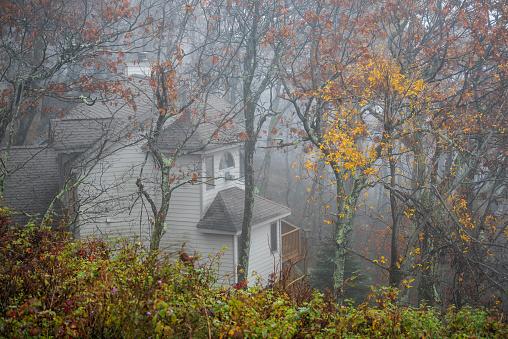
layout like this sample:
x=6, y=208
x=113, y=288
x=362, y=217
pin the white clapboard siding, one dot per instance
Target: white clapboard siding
x=210, y=247
x=118, y=211
x=108, y=197
x=220, y=182
x=262, y=262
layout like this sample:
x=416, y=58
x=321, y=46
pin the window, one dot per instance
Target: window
x=273, y=237
x=210, y=185
x=226, y=161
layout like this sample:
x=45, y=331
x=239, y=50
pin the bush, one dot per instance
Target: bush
x=53, y=286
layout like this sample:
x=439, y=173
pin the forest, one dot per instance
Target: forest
x=381, y=124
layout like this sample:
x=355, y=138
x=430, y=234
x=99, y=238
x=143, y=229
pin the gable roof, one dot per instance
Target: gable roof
x=77, y=134
x=86, y=126
x=226, y=211
x=33, y=183
x=208, y=124
x=204, y=123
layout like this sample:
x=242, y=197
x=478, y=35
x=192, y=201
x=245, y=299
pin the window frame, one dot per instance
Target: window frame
x=230, y=157
x=210, y=172
x=274, y=237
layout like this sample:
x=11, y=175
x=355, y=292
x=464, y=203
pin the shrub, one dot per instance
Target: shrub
x=53, y=286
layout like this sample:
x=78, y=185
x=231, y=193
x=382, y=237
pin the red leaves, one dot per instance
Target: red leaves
x=195, y=177
x=242, y=136
x=241, y=285
x=172, y=179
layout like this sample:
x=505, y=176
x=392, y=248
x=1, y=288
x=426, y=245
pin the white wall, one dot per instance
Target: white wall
x=262, y=262
x=112, y=207
x=221, y=183
x=108, y=196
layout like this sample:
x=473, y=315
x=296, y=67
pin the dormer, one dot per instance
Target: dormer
x=222, y=170
x=209, y=136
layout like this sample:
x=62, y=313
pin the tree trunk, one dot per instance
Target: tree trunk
x=23, y=127
x=346, y=211
x=160, y=223
x=263, y=187
x=244, y=245
x=427, y=293
x=7, y=119
x=395, y=275
x=343, y=233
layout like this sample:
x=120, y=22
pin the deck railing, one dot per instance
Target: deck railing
x=291, y=241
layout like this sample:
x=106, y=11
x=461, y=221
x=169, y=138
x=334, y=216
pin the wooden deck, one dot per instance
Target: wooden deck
x=293, y=244
x=294, y=252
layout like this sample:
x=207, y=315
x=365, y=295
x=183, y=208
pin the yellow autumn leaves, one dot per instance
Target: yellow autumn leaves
x=382, y=77
x=352, y=139
x=345, y=152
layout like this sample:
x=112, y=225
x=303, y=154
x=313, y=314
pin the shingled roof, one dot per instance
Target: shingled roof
x=33, y=182
x=215, y=129
x=77, y=134
x=208, y=122
x=85, y=125
x=226, y=211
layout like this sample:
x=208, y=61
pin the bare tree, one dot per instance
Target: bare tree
x=183, y=61
x=42, y=43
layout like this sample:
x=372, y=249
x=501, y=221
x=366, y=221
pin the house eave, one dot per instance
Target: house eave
x=238, y=232
x=213, y=231
x=268, y=221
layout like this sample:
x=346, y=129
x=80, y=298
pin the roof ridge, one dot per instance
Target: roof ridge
x=269, y=200
x=223, y=207
x=81, y=119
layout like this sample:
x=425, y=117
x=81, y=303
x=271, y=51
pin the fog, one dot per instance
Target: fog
x=367, y=138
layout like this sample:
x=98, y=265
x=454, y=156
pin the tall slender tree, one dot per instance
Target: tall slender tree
x=251, y=32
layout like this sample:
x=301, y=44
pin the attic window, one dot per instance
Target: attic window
x=226, y=161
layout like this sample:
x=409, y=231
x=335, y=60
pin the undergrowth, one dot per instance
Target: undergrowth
x=54, y=286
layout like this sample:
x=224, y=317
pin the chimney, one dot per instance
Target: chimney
x=143, y=57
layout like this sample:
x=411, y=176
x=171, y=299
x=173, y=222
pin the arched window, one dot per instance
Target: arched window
x=226, y=161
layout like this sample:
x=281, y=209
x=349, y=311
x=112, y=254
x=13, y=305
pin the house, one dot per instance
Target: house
x=101, y=150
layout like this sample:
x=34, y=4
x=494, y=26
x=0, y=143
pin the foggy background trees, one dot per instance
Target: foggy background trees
x=382, y=124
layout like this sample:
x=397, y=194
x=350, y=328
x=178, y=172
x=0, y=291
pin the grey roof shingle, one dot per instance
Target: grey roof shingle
x=31, y=188
x=215, y=129
x=77, y=134
x=110, y=120
x=85, y=125
x=226, y=211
